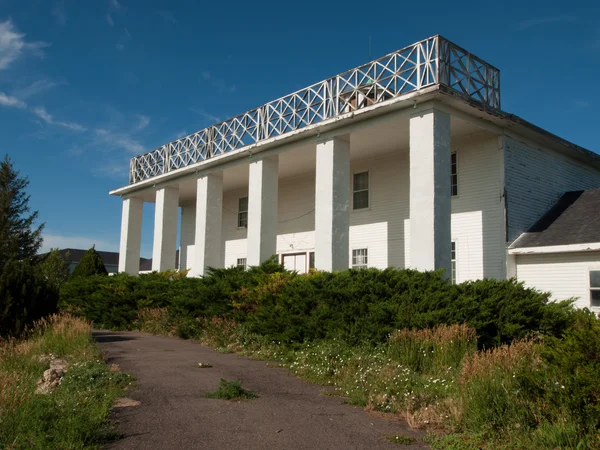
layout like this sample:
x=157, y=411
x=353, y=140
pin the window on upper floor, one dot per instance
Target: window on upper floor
x=243, y=212
x=595, y=288
x=360, y=258
x=360, y=190
x=453, y=175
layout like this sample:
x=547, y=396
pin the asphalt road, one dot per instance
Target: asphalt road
x=288, y=414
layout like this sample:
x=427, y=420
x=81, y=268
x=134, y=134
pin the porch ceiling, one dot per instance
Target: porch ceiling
x=367, y=142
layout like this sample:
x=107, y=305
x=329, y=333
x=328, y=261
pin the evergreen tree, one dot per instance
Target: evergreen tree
x=90, y=264
x=19, y=239
x=54, y=268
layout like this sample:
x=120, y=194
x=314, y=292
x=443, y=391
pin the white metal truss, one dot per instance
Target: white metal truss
x=425, y=63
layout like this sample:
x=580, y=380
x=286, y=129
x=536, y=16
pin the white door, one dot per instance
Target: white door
x=295, y=262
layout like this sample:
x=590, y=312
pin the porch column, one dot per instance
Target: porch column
x=131, y=236
x=262, y=210
x=332, y=205
x=165, y=229
x=209, y=213
x=430, y=207
x=187, y=235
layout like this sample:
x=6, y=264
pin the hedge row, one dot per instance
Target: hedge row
x=354, y=305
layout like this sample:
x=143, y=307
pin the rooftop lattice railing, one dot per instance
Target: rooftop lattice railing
x=425, y=63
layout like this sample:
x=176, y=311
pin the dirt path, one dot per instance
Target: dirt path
x=289, y=413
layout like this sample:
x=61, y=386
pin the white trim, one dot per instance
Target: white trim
x=593, y=246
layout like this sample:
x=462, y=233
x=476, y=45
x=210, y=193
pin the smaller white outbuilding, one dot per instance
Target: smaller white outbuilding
x=560, y=253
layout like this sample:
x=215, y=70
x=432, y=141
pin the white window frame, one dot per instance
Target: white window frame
x=365, y=263
x=240, y=212
x=242, y=262
x=454, y=173
x=593, y=288
x=368, y=207
x=453, y=261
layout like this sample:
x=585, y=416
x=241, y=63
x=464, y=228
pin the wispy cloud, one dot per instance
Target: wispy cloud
x=37, y=87
x=540, y=21
x=41, y=112
x=120, y=47
x=60, y=13
x=115, y=4
x=11, y=102
x=83, y=242
x=180, y=134
x=125, y=39
x=207, y=116
x=218, y=83
x=143, y=122
x=13, y=44
x=167, y=15
x=122, y=140
x=110, y=21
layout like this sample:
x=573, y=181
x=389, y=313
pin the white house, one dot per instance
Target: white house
x=406, y=161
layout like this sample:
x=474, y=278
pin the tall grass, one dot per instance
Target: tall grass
x=76, y=413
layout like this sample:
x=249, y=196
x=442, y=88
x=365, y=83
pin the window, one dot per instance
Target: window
x=595, y=288
x=243, y=212
x=360, y=190
x=453, y=263
x=453, y=175
x=360, y=258
x=311, y=260
x=241, y=263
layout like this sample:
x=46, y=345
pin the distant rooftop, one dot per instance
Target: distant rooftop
x=433, y=61
x=573, y=219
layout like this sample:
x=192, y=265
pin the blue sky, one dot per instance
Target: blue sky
x=86, y=85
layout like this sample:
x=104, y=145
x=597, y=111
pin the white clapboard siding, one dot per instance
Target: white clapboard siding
x=564, y=275
x=535, y=180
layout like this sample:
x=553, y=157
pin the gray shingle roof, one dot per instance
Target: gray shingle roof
x=574, y=219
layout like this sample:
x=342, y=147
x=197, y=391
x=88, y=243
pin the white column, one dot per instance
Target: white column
x=430, y=207
x=131, y=235
x=209, y=214
x=165, y=229
x=187, y=235
x=332, y=205
x=263, y=188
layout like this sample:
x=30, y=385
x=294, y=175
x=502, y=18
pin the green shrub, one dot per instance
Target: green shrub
x=231, y=390
x=25, y=296
x=89, y=265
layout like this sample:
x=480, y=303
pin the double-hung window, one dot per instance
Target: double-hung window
x=595, y=288
x=453, y=175
x=243, y=212
x=360, y=258
x=360, y=190
x=241, y=263
x=453, y=263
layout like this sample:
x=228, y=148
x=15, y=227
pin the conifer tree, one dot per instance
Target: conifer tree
x=20, y=239
x=90, y=264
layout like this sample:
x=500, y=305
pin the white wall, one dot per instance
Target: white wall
x=477, y=212
x=565, y=275
x=535, y=180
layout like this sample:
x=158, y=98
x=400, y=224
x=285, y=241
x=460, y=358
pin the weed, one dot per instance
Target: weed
x=231, y=390
x=401, y=439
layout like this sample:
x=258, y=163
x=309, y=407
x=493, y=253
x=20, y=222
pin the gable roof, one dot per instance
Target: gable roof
x=574, y=219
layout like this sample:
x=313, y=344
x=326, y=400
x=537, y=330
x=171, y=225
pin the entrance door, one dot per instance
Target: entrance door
x=296, y=261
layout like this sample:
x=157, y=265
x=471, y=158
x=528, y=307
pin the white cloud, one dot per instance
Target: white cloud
x=539, y=21
x=12, y=102
x=207, y=116
x=13, y=44
x=37, y=87
x=110, y=21
x=120, y=140
x=82, y=242
x=60, y=14
x=41, y=112
x=144, y=121
x=115, y=4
